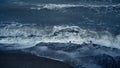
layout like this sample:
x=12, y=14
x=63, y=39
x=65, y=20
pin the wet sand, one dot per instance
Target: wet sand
x=25, y=60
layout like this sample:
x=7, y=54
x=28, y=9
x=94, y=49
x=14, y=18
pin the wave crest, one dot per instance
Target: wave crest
x=54, y=6
x=61, y=6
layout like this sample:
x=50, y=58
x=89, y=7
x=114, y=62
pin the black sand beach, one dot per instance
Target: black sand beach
x=24, y=60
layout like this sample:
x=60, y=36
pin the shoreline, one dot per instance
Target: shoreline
x=26, y=60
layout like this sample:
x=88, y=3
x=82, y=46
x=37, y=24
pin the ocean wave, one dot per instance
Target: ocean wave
x=29, y=36
x=61, y=6
x=52, y=6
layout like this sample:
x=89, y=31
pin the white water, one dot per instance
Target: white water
x=52, y=6
x=30, y=35
x=61, y=6
x=58, y=6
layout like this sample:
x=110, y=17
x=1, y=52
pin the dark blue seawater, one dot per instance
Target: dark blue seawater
x=74, y=26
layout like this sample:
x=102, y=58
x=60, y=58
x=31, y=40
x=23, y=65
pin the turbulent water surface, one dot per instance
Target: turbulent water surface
x=77, y=32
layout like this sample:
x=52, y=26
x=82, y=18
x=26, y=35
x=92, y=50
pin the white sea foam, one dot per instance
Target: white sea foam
x=52, y=6
x=60, y=6
x=30, y=36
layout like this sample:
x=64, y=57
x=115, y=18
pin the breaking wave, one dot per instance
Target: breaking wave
x=52, y=6
x=28, y=35
x=60, y=6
